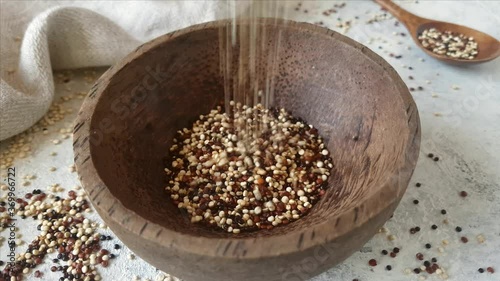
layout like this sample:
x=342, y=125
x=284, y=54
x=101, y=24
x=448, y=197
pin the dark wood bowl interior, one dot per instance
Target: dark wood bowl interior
x=356, y=100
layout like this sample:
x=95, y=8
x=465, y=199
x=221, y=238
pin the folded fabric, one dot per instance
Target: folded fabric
x=37, y=37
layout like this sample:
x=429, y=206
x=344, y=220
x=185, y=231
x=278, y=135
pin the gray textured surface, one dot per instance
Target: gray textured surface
x=466, y=138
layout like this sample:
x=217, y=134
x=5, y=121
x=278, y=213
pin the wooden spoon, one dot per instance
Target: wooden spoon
x=489, y=47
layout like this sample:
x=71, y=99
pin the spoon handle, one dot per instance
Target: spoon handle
x=410, y=20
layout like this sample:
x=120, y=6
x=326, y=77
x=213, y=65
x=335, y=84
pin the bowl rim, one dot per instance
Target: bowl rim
x=256, y=247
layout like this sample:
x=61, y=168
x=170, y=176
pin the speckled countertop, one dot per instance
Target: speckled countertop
x=460, y=115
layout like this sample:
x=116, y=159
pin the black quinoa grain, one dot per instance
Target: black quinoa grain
x=458, y=229
x=418, y=184
x=435, y=159
x=430, y=155
x=417, y=228
x=395, y=250
x=415, y=201
x=427, y=263
x=428, y=246
x=388, y=268
x=434, y=260
x=481, y=270
x=384, y=252
x=443, y=212
x=417, y=270
x=434, y=227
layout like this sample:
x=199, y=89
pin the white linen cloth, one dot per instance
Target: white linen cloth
x=39, y=36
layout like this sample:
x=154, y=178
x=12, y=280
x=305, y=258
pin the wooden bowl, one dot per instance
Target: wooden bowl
x=358, y=102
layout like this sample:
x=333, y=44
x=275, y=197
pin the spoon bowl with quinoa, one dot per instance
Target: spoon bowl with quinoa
x=448, y=42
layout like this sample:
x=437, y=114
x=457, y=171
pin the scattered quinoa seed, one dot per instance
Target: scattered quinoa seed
x=480, y=239
x=64, y=231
